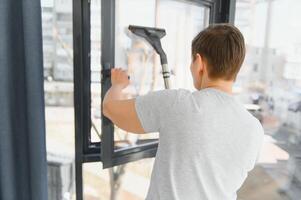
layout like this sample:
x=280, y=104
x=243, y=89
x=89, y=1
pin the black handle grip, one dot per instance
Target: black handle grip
x=106, y=73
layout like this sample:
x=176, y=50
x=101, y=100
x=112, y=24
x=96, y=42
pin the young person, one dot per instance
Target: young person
x=208, y=141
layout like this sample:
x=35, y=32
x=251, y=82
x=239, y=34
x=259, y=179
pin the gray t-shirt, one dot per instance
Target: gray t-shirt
x=208, y=142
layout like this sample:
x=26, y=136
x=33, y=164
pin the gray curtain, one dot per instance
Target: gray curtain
x=23, y=166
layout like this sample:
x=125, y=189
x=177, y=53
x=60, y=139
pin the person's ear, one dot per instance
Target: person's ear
x=199, y=63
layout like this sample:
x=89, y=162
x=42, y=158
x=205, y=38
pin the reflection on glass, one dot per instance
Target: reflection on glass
x=182, y=21
x=95, y=37
x=271, y=81
x=58, y=90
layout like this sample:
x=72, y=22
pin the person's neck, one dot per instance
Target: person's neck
x=223, y=85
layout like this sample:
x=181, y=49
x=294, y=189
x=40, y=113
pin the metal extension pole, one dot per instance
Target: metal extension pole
x=166, y=75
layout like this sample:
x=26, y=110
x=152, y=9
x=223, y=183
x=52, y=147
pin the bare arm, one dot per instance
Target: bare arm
x=119, y=110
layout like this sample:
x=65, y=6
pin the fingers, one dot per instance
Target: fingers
x=116, y=72
x=119, y=77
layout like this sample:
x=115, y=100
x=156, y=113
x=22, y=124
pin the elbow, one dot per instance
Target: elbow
x=105, y=109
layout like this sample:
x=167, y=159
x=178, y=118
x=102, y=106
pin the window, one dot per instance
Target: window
x=271, y=79
x=58, y=90
x=102, y=40
x=141, y=61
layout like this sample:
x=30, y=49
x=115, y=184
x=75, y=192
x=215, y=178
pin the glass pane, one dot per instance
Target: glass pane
x=95, y=37
x=270, y=85
x=140, y=60
x=58, y=89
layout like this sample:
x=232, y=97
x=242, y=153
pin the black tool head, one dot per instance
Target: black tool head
x=147, y=31
x=153, y=36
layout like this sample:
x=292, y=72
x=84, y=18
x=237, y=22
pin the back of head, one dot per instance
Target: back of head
x=222, y=47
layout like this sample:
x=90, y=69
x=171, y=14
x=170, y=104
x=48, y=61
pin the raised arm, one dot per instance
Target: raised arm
x=119, y=110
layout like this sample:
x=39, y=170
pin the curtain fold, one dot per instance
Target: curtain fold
x=23, y=165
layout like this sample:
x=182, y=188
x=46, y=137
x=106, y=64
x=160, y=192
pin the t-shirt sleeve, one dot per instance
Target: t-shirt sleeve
x=260, y=141
x=153, y=107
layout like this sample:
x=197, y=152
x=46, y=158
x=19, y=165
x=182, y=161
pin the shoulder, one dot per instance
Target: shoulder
x=169, y=92
x=253, y=122
x=183, y=93
x=257, y=130
x=174, y=94
x=167, y=98
x=258, y=127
